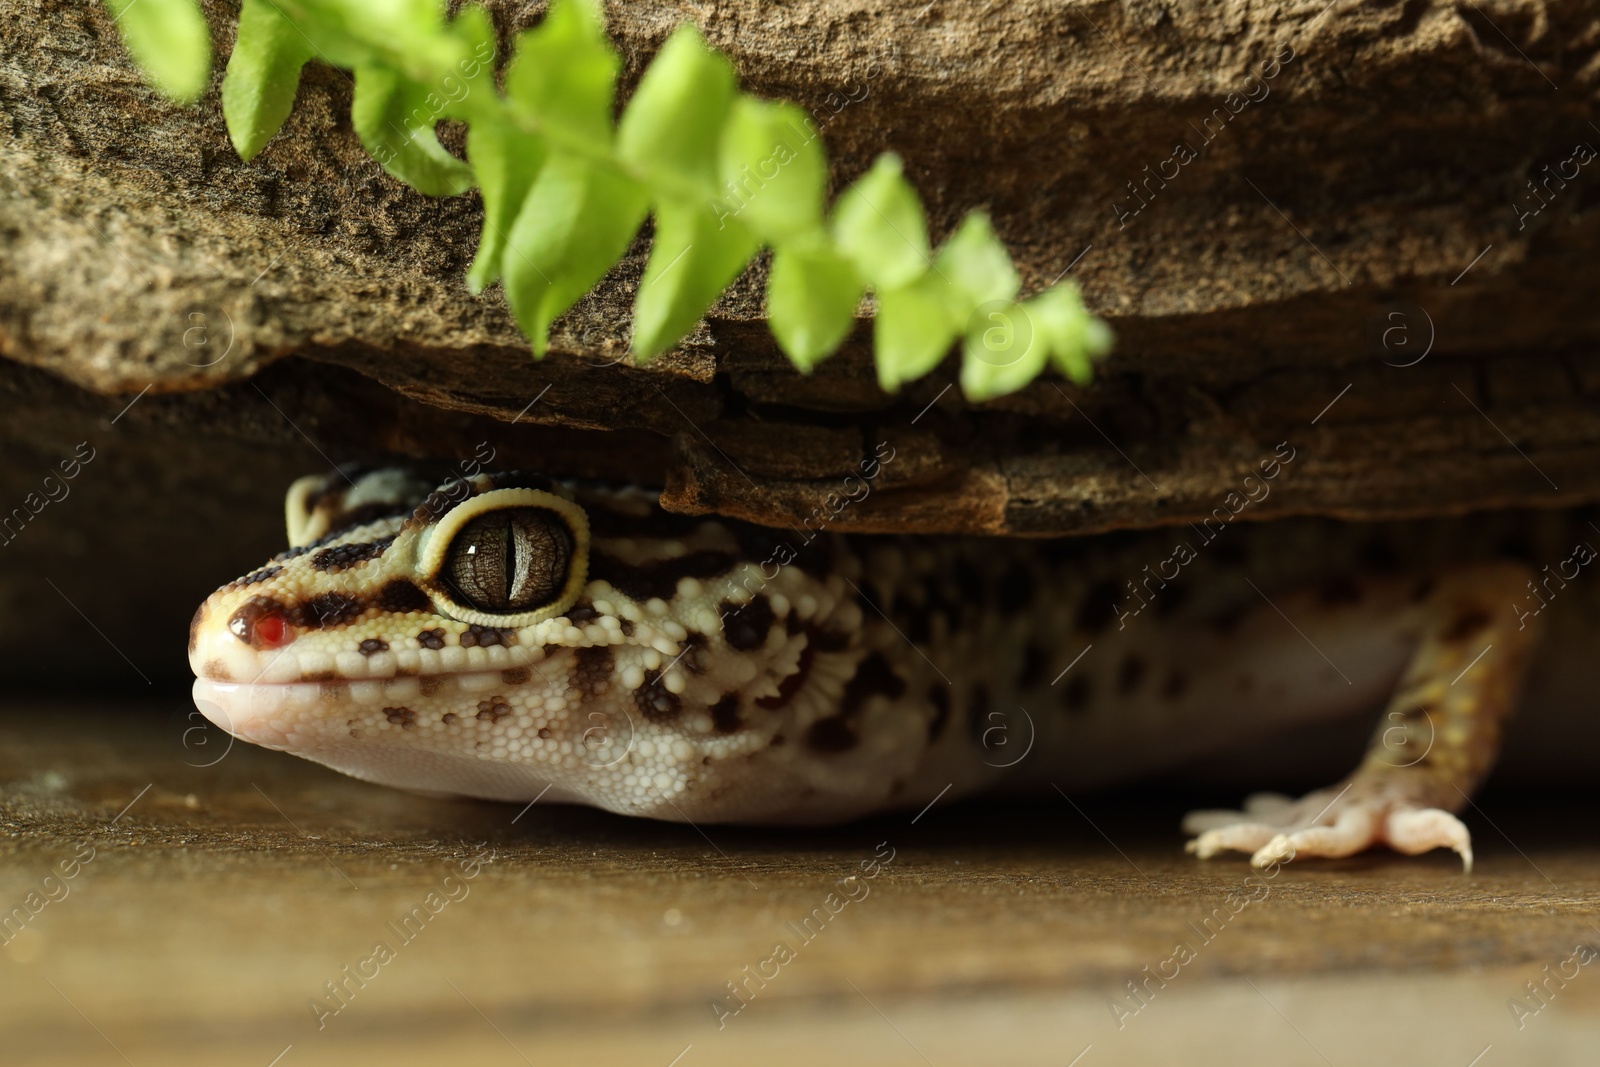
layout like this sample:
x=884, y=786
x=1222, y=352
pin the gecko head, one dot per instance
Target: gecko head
x=500, y=634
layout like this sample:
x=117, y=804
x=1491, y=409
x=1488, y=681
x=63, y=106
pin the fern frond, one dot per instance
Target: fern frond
x=565, y=189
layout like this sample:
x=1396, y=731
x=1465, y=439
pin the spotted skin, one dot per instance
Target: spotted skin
x=708, y=670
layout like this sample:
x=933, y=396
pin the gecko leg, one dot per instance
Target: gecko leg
x=1436, y=741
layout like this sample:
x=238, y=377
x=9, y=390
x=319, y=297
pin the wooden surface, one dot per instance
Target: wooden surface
x=222, y=898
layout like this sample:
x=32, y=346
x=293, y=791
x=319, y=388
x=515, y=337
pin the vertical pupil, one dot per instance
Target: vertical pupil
x=513, y=559
x=508, y=566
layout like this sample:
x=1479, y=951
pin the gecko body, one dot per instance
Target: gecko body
x=509, y=636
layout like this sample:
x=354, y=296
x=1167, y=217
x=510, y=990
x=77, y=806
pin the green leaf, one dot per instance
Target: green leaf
x=170, y=41
x=695, y=255
x=811, y=302
x=977, y=267
x=565, y=74
x=505, y=160
x=405, y=35
x=394, y=119
x=576, y=222
x=878, y=224
x=1003, y=350
x=263, y=74
x=912, y=331
x=465, y=90
x=1075, y=338
x=773, y=168
x=672, y=126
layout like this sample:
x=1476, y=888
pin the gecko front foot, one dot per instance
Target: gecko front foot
x=1329, y=822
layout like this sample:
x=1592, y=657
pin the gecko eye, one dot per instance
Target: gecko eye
x=510, y=560
x=506, y=557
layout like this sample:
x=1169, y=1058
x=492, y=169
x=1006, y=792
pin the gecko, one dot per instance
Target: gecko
x=512, y=636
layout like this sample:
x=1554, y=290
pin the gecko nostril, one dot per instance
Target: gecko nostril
x=261, y=623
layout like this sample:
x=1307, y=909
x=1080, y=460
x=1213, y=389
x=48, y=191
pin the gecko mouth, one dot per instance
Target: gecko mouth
x=272, y=714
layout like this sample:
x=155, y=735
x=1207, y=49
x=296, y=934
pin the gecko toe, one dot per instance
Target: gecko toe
x=1236, y=837
x=1352, y=831
x=1414, y=830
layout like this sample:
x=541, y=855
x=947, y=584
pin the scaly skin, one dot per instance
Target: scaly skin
x=709, y=670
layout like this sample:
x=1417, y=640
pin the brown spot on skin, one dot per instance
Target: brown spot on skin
x=592, y=671
x=431, y=638
x=746, y=628
x=830, y=641
x=1423, y=590
x=255, y=577
x=404, y=718
x=320, y=676
x=1466, y=624
x=778, y=739
x=430, y=686
x=493, y=710
x=582, y=611
x=791, y=683
x=341, y=557
x=516, y=675
x=217, y=671
x=792, y=624
x=450, y=718
x=873, y=677
x=1174, y=686
x=361, y=516
x=398, y=597
x=1075, y=697
x=655, y=701
x=372, y=646
x=441, y=500
x=1130, y=674
x=1098, y=607
x=693, y=656
x=626, y=626
x=1339, y=591
x=725, y=714
x=831, y=735
x=939, y=697
x=328, y=610
x=485, y=636
x=658, y=579
x=545, y=733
